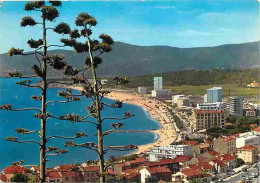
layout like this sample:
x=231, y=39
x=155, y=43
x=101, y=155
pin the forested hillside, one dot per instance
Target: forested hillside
x=133, y=60
x=196, y=78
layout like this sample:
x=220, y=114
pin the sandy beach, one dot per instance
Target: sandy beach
x=155, y=108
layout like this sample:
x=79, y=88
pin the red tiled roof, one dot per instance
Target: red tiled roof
x=226, y=157
x=91, y=168
x=191, y=172
x=182, y=158
x=65, y=167
x=228, y=138
x=202, y=159
x=192, y=143
x=206, y=112
x=201, y=166
x=213, y=153
x=257, y=129
x=53, y=174
x=218, y=162
x=96, y=169
x=247, y=147
x=3, y=178
x=162, y=169
x=137, y=160
x=12, y=169
x=161, y=162
x=67, y=173
x=205, y=166
x=236, y=134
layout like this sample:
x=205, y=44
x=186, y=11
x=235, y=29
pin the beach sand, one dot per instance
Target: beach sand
x=155, y=108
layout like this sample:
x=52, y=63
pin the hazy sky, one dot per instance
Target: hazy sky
x=178, y=23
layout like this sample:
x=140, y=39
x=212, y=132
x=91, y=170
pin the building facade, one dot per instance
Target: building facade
x=235, y=106
x=248, y=153
x=162, y=94
x=225, y=145
x=183, y=102
x=248, y=138
x=158, y=83
x=214, y=95
x=170, y=151
x=216, y=106
x=141, y=90
x=204, y=119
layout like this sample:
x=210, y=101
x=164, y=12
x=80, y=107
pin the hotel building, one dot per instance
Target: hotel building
x=204, y=119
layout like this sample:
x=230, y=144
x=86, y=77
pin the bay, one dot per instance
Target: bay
x=20, y=97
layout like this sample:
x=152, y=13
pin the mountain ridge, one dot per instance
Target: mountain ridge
x=132, y=60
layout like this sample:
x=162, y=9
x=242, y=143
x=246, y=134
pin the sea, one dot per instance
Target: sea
x=20, y=97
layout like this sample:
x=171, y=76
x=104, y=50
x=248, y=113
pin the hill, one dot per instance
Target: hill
x=197, y=78
x=132, y=60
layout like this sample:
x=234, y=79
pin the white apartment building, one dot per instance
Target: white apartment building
x=171, y=151
x=158, y=83
x=248, y=138
x=235, y=106
x=141, y=90
x=175, y=98
x=162, y=94
x=216, y=106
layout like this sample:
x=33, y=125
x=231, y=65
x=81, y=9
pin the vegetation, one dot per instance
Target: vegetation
x=228, y=89
x=240, y=162
x=94, y=91
x=196, y=82
x=19, y=177
x=242, y=121
x=177, y=121
x=217, y=131
x=132, y=60
x=47, y=12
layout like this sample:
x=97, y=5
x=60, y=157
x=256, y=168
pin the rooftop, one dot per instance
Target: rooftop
x=225, y=138
x=191, y=172
x=247, y=147
x=162, y=169
x=192, y=143
x=12, y=169
x=257, y=129
x=209, y=112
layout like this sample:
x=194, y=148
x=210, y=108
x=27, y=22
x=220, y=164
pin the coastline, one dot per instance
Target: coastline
x=166, y=133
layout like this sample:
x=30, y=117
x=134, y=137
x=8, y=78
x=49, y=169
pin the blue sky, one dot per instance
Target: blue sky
x=178, y=23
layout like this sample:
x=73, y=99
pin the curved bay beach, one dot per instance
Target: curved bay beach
x=156, y=109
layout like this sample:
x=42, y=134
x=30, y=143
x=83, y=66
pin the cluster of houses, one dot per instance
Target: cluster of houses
x=185, y=162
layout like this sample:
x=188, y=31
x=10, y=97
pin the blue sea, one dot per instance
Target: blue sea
x=20, y=97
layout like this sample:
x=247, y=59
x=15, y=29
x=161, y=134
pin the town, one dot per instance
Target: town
x=214, y=139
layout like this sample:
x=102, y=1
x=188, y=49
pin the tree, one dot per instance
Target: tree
x=48, y=13
x=19, y=177
x=240, y=162
x=95, y=48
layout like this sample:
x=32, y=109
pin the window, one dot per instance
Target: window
x=58, y=180
x=66, y=178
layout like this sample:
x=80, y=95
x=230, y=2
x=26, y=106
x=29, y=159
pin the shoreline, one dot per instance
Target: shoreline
x=166, y=131
x=155, y=109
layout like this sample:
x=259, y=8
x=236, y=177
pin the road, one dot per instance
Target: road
x=238, y=177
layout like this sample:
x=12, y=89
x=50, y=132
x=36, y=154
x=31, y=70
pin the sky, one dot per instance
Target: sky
x=177, y=23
